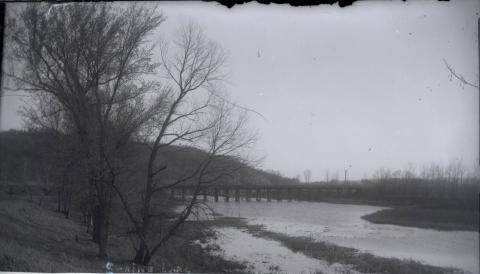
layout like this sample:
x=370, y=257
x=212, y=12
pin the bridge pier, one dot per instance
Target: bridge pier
x=227, y=197
x=279, y=193
x=237, y=194
x=300, y=194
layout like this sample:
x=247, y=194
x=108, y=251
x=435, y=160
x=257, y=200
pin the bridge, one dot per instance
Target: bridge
x=269, y=193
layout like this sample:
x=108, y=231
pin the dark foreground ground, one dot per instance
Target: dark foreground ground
x=37, y=238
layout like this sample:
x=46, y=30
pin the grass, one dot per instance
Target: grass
x=33, y=238
x=184, y=251
x=359, y=261
x=37, y=238
x=440, y=219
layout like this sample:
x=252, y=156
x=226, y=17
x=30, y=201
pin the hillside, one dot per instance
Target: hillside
x=31, y=158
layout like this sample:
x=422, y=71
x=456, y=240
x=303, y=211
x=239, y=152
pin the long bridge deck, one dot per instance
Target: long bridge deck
x=277, y=192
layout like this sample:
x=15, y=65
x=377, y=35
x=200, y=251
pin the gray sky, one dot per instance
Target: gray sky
x=364, y=85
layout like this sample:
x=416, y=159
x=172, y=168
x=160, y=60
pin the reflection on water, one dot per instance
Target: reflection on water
x=341, y=224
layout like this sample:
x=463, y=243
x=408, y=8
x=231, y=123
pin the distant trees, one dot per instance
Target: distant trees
x=382, y=173
x=297, y=178
x=335, y=176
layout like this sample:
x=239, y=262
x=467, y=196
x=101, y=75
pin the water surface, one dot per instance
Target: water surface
x=268, y=256
x=342, y=225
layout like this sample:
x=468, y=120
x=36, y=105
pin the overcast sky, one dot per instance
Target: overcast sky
x=359, y=87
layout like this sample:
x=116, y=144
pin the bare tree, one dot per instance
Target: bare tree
x=335, y=176
x=307, y=174
x=194, y=114
x=458, y=76
x=88, y=59
x=409, y=172
x=297, y=178
x=382, y=174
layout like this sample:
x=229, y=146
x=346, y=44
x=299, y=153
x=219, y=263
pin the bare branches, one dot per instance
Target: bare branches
x=197, y=61
x=197, y=116
x=459, y=76
x=85, y=64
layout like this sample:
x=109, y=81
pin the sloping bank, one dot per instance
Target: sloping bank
x=359, y=261
x=37, y=238
x=439, y=219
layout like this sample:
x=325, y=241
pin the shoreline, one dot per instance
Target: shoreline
x=331, y=253
x=437, y=219
x=182, y=253
x=416, y=216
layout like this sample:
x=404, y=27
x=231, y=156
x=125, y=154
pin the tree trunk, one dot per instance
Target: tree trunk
x=140, y=254
x=96, y=224
x=100, y=231
x=59, y=202
x=146, y=258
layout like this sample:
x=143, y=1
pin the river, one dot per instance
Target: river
x=342, y=225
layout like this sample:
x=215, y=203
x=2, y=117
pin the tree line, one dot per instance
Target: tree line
x=449, y=186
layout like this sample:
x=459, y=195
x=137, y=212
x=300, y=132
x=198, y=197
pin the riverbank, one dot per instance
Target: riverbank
x=359, y=261
x=439, y=219
x=416, y=215
x=37, y=238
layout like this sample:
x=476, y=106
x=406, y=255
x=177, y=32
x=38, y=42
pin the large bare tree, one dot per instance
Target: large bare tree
x=196, y=114
x=89, y=59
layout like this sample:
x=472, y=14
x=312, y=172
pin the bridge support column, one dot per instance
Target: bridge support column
x=289, y=194
x=215, y=190
x=247, y=195
x=227, y=197
x=321, y=194
x=269, y=197
x=237, y=195
x=279, y=194
x=205, y=195
x=257, y=193
x=183, y=193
